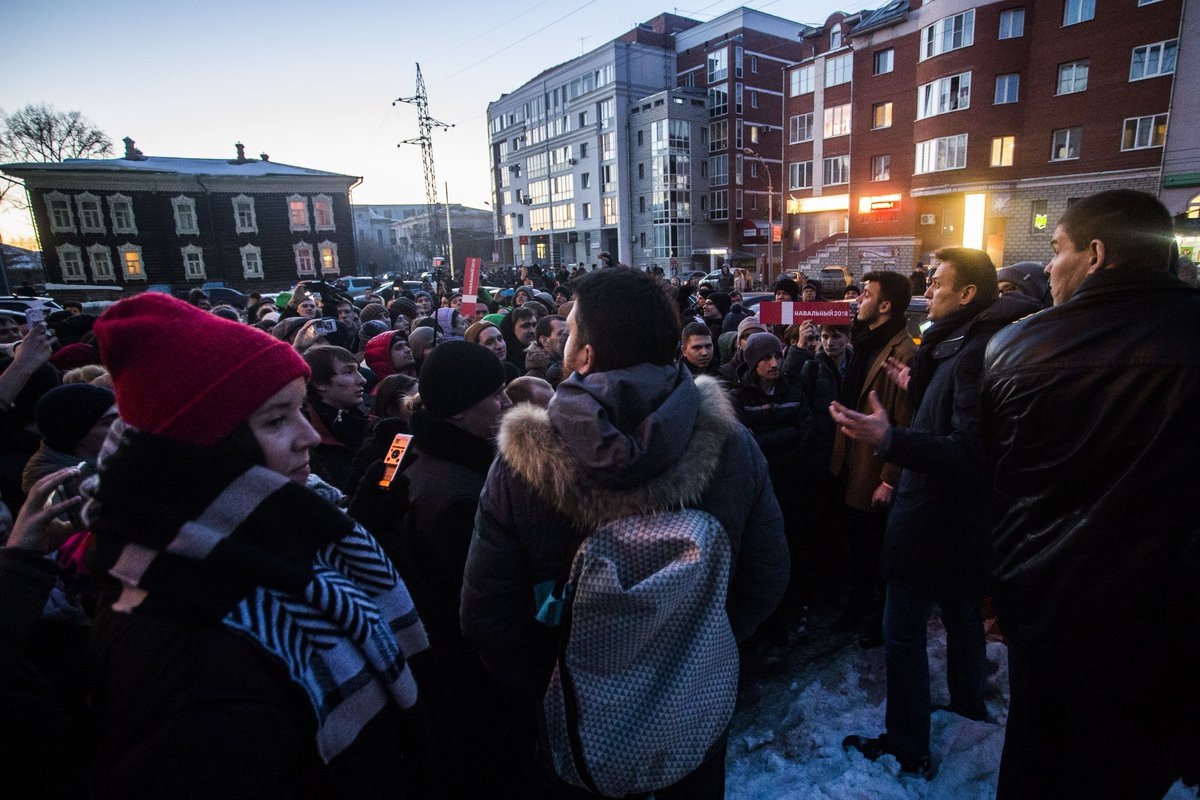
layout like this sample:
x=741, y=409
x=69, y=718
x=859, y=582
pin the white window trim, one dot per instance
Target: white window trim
x=176, y=204
x=891, y=61
x=237, y=223
x=129, y=247
x=321, y=262
x=797, y=173
x=326, y=200
x=113, y=201
x=88, y=197
x=995, y=90
x=1074, y=80
x=845, y=172
x=63, y=250
x=1162, y=49
x=936, y=33
x=292, y=226
x=246, y=250
x=933, y=143
x=1011, y=12
x=304, y=247
x=51, y=198
x=992, y=162
x=933, y=88
x=106, y=274
x=185, y=252
x=1137, y=120
x=1079, y=143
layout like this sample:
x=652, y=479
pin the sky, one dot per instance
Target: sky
x=312, y=83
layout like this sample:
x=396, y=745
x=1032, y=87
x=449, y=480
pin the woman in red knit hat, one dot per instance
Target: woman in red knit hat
x=255, y=641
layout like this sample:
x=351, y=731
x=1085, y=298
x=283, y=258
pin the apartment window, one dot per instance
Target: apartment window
x=608, y=207
x=881, y=168
x=91, y=220
x=323, y=212
x=1152, y=60
x=949, y=33
x=738, y=91
x=753, y=169
x=243, y=214
x=585, y=211
x=303, y=252
x=1076, y=11
x=120, y=208
x=608, y=146
x=642, y=204
x=739, y=132
x=739, y=56
x=800, y=175
x=718, y=101
x=1064, y=144
x=718, y=136
x=944, y=95
x=297, y=213
x=885, y=61
x=185, y=215
x=1002, y=151
x=718, y=205
x=800, y=128
x=753, y=99
x=582, y=119
x=1007, y=88
x=718, y=170
x=836, y=170
x=58, y=206
x=754, y=65
x=936, y=155
x=131, y=262
x=800, y=81
x=718, y=65
x=583, y=149
x=251, y=261
x=101, y=261
x=838, y=70
x=1012, y=23
x=585, y=180
x=71, y=261
x=1141, y=133
x=835, y=37
x=837, y=121
x=193, y=263
x=641, y=172
x=609, y=183
x=881, y=115
x=738, y=205
x=1072, y=77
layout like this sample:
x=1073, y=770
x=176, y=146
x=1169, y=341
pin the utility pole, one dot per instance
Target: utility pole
x=425, y=125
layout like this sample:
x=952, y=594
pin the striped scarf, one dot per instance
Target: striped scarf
x=191, y=533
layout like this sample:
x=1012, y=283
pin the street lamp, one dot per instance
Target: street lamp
x=770, y=211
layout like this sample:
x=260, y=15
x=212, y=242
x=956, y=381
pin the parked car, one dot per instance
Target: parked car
x=834, y=281
x=355, y=286
x=21, y=303
x=694, y=275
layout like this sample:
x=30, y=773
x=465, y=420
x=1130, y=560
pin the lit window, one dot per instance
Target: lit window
x=1141, y=133
x=251, y=261
x=944, y=153
x=120, y=208
x=304, y=258
x=91, y=219
x=881, y=115
x=1193, y=209
x=836, y=170
x=323, y=212
x=1040, y=215
x=949, y=33
x=839, y=70
x=1002, y=151
x=1072, y=77
x=185, y=215
x=71, y=262
x=58, y=206
x=193, y=263
x=1076, y=11
x=101, y=261
x=837, y=121
x=1152, y=60
x=244, y=219
x=131, y=262
x=297, y=212
x=1012, y=23
x=1007, y=88
x=944, y=95
x=800, y=81
x=328, y=256
x=881, y=168
x=800, y=175
x=885, y=61
x=1064, y=144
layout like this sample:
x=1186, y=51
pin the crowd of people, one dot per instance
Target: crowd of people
x=212, y=583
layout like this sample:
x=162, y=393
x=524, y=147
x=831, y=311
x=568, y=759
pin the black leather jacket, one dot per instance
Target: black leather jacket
x=1089, y=412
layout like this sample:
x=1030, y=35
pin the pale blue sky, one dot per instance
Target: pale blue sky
x=310, y=83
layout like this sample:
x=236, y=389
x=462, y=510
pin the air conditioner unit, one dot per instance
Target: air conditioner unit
x=572, y=161
x=928, y=219
x=513, y=167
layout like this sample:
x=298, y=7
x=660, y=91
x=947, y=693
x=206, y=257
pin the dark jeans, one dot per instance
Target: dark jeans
x=905, y=616
x=1107, y=735
x=864, y=537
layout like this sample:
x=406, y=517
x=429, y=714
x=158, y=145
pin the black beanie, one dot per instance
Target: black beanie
x=64, y=415
x=456, y=375
x=722, y=301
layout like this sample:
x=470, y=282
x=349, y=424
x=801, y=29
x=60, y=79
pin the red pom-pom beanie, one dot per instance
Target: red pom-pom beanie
x=188, y=375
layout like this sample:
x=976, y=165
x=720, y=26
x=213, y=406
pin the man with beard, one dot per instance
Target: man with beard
x=935, y=549
x=879, y=334
x=628, y=433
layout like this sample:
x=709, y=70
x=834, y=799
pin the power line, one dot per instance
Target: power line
x=489, y=32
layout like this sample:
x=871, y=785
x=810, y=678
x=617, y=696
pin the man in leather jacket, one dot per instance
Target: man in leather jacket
x=1089, y=418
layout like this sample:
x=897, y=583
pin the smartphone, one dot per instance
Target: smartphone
x=35, y=314
x=395, y=454
x=326, y=326
x=68, y=489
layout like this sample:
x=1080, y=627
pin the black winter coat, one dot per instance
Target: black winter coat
x=782, y=426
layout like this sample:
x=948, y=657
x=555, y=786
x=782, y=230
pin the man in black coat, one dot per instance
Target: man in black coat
x=935, y=549
x=1089, y=417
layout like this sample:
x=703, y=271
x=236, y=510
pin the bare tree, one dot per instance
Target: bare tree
x=39, y=133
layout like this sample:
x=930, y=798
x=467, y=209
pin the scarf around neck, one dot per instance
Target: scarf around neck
x=194, y=535
x=867, y=343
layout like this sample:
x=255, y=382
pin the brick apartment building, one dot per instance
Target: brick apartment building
x=917, y=126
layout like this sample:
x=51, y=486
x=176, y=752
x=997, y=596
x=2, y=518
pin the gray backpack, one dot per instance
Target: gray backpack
x=647, y=677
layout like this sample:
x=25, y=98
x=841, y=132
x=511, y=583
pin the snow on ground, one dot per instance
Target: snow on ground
x=795, y=707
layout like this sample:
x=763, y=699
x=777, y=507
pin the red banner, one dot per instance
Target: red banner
x=470, y=287
x=773, y=312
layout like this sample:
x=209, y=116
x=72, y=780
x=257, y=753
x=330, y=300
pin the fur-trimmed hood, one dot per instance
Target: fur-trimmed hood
x=589, y=461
